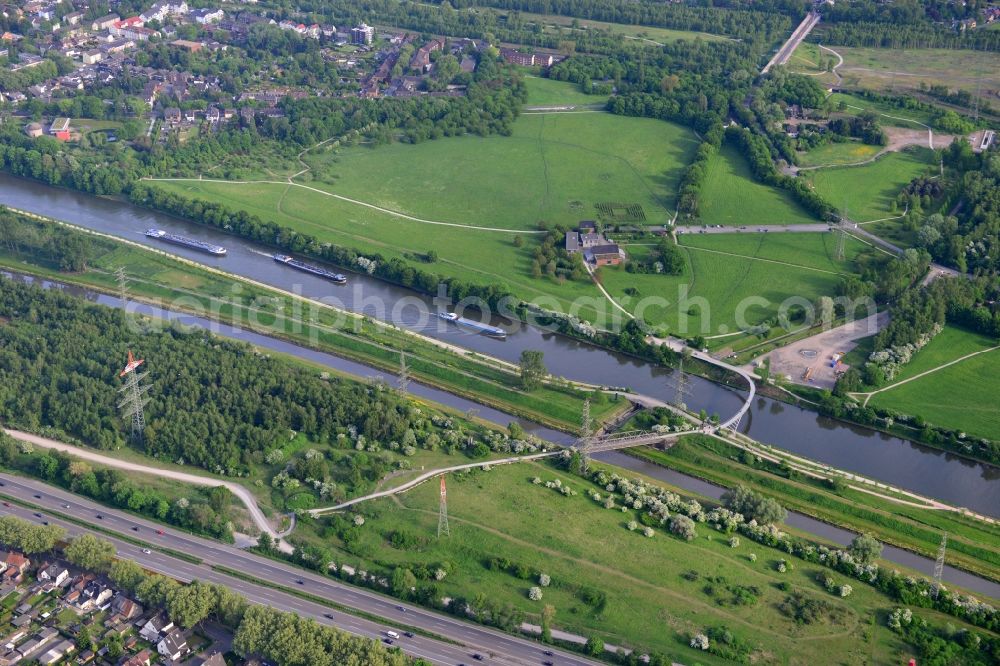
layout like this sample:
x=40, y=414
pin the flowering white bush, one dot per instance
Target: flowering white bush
x=845, y=590
x=632, y=526
x=535, y=593
x=544, y=579
x=648, y=531
x=699, y=642
x=752, y=557
x=734, y=542
x=359, y=520
x=439, y=574
x=782, y=566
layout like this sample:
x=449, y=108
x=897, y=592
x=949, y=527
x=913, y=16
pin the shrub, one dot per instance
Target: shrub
x=683, y=527
x=535, y=593
x=699, y=642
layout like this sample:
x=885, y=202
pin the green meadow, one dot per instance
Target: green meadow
x=730, y=196
x=868, y=192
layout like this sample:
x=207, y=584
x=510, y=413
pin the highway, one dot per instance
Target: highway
x=786, y=50
x=496, y=646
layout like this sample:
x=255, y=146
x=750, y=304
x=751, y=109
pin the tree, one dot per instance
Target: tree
x=753, y=506
x=28, y=537
x=532, y=369
x=88, y=552
x=683, y=527
x=403, y=581
x=127, y=574
x=548, y=614
x=187, y=605
x=594, y=646
x=865, y=548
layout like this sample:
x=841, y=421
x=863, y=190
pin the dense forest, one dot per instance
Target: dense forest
x=215, y=404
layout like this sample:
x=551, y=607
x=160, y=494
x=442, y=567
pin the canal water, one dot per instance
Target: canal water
x=889, y=459
x=799, y=521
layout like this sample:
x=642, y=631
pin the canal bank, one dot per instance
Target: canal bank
x=691, y=484
x=853, y=448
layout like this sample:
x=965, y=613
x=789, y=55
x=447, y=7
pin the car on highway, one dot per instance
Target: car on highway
x=66, y=506
x=300, y=582
x=160, y=532
x=6, y=503
x=38, y=515
x=100, y=517
x=135, y=528
x=392, y=634
x=401, y=608
x=387, y=641
x=38, y=497
x=328, y=616
x=408, y=634
x=547, y=653
x=478, y=657
x=146, y=551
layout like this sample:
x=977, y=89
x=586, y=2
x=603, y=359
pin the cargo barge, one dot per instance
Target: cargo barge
x=339, y=278
x=485, y=329
x=184, y=241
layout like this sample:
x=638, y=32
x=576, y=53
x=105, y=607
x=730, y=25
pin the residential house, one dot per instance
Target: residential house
x=54, y=573
x=515, y=57
x=95, y=595
x=87, y=656
x=214, y=660
x=207, y=16
x=142, y=659
x=155, y=627
x=362, y=34
x=213, y=115
x=172, y=115
x=16, y=564
x=104, y=22
x=421, y=60
x=161, y=10
x=605, y=255
x=174, y=645
x=73, y=18
x=92, y=57
x=125, y=607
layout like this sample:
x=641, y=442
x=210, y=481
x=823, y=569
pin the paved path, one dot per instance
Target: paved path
x=412, y=483
x=244, y=495
x=868, y=395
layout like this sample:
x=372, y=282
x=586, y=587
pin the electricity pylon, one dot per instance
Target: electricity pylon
x=135, y=396
x=443, y=529
x=403, y=382
x=939, y=564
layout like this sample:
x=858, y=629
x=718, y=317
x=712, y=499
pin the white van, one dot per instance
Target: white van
x=392, y=634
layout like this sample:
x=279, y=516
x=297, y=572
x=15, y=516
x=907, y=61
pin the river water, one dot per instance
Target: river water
x=797, y=520
x=890, y=459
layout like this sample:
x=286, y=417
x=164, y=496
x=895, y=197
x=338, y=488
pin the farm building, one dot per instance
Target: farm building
x=60, y=129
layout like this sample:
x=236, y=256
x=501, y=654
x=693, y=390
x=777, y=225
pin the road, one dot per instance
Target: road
x=811, y=228
x=500, y=648
x=786, y=50
x=241, y=493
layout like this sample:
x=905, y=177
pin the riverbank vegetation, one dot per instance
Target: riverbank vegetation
x=33, y=245
x=974, y=545
x=536, y=543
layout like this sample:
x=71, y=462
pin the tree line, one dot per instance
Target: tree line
x=215, y=404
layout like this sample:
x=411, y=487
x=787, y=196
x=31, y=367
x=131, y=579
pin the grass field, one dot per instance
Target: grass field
x=564, y=24
x=656, y=591
x=868, y=192
x=549, y=92
x=838, y=153
x=554, y=168
x=890, y=115
x=723, y=271
x=903, y=70
x=961, y=396
x=729, y=196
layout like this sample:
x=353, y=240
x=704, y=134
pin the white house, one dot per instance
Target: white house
x=173, y=646
x=54, y=573
x=154, y=627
